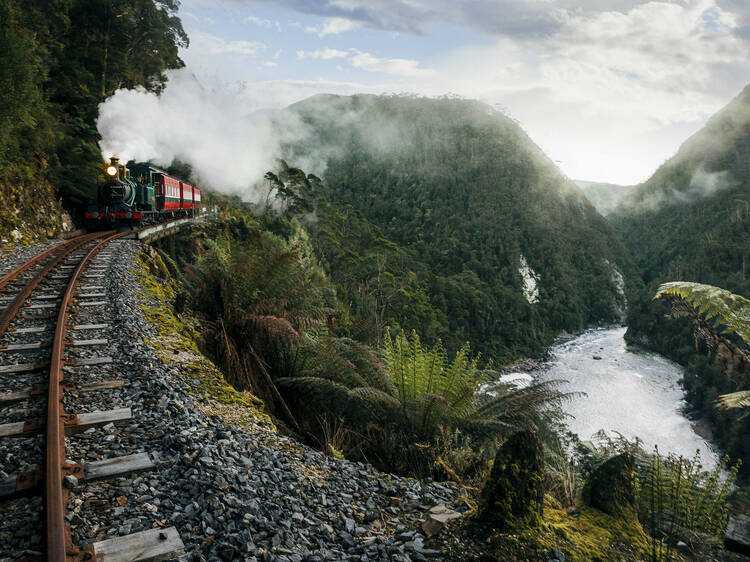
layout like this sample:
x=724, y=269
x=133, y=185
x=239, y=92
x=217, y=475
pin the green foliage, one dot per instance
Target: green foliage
x=433, y=392
x=262, y=294
x=675, y=498
x=293, y=189
x=424, y=377
x=20, y=96
x=417, y=407
x=691, y=221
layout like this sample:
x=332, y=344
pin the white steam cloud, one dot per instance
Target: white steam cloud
x=217, y=129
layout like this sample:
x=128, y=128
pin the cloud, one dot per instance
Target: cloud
x=214, y=45
x=608, y=87
x=365, y=61
x=204, y=20
x=610, y=94
x=325, y=54
x=332, y=26
x=397, y=67
x=512, y=18
x=263, y=22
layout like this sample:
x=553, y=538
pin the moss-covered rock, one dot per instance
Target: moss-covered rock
x=513, y=496
x=30, y=211
x=587, y=535
x=611, y=487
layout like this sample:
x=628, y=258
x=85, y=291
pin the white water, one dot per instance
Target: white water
x=635, y=393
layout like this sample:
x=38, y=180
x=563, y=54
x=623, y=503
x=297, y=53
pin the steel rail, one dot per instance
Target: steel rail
x=6, y=317
x=59, y=544
x=13, y=275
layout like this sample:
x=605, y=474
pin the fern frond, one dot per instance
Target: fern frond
x=740, y=399
x=725, y=310
x=276, y=328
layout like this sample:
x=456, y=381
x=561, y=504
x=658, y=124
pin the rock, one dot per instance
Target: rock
x=437, y=517
x=737, y=536
x=597, y=358
x=513, y=496
x=611, y=487
x=70, y=481
x=558, y=555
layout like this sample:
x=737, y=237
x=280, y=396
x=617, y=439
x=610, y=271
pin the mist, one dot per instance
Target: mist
x=219, y=129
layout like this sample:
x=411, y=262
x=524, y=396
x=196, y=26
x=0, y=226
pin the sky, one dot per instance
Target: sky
x=609, y=89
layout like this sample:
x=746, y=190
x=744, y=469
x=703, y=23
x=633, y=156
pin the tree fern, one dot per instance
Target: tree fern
x=677, y=501
x=727, y=312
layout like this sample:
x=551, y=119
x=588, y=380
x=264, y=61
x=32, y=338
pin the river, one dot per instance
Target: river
x=636, y=393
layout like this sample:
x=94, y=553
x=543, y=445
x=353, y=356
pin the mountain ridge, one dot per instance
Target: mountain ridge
x=468, y=193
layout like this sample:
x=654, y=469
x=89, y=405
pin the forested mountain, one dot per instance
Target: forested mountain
x=443, y=216
x=690, y=219
x=60, y=60
x=691, y=222
x=603, y=196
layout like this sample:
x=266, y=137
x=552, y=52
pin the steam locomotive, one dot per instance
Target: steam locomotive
x=141, y=194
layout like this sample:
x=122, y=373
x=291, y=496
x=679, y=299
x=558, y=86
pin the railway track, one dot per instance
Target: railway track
x=61, y=293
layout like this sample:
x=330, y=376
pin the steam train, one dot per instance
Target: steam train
x=140, y=194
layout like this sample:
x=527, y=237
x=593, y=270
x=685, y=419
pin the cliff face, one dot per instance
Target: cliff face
x=30, y=211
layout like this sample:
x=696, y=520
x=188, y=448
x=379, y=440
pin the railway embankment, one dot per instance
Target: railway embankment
x=236, y=486
x=232, y=486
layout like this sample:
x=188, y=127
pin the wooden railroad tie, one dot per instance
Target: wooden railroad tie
x=37, y=389
x=74, y=423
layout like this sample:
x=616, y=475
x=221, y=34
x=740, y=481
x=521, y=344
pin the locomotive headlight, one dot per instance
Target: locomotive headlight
x=111, y=171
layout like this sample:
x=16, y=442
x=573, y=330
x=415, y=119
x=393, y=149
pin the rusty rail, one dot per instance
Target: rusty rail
x=59, y=544
x=66, y=248
x=13, y=275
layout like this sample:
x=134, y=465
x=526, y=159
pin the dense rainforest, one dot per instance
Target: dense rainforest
x=60, y=60
x=454, y=222
x=691, y=222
